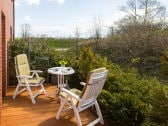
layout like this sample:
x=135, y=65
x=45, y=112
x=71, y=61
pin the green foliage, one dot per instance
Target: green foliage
x=164, y=62
x=130, y=100
x=62, y=62
x=139, y=45
x=60, y=43
x=89, y=61
x=149, y=123
x=122, y=109
x=86, y=61
x=159, y=113
x=135, y=60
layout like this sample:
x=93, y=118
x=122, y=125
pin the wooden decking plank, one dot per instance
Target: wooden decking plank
x=21, y=112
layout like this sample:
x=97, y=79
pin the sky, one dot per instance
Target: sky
x=60, y=18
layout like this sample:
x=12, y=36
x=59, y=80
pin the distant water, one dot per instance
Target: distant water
x=61, y=49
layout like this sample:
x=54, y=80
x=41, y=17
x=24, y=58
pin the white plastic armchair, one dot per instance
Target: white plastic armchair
x=27, y=78
x=81, y=100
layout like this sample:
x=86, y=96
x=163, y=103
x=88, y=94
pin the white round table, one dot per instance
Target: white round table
x=61, y=72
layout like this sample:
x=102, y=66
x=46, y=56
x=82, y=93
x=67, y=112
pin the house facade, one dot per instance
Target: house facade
x=6, y=34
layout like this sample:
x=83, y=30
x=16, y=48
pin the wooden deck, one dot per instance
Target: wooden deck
x=21, y=112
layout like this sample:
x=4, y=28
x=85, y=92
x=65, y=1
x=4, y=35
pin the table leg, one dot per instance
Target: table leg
x=61, y=82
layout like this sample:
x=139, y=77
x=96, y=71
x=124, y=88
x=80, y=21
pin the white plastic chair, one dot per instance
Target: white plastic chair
x=27, y=78
x=81, y=100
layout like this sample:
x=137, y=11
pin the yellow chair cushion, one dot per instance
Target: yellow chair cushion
x=98, y=70
x=34, y=80
x=73, y=90
x=22, y=63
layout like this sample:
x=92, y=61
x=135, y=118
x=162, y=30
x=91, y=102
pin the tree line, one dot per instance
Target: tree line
x=141, y=37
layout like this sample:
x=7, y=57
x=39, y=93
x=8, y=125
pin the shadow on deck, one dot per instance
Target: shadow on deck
x=21, y=112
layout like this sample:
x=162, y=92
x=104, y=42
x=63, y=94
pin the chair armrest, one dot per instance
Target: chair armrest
x=83, y=83
x=36, y=71
x=71, y=94
x=23, y=76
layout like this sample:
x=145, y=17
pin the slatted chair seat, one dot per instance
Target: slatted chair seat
x=27, y=78
x=81, y=100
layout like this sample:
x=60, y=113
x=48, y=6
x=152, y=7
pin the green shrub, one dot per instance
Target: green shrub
x=159, y=112
x=89, y=61
x=86, y=62
x=120, y=109
x=130, y=100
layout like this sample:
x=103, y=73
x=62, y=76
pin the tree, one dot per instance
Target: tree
x=131, y=9
x=152, y=9
x=141, y=35
x=143, y=10
x=77, y=35
x=97, y=32
x=25, y=31
x=88, y=61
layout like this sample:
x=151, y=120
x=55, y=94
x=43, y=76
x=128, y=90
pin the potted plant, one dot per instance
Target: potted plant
x=62, y=63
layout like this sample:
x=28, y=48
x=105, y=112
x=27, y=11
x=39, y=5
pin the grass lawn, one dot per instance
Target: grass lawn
x=60, y=43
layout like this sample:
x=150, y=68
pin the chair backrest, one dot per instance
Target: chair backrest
x=22, y=65
x=93, y=87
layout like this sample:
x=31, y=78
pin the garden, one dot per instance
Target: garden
x=127, y=98
x=136, y=54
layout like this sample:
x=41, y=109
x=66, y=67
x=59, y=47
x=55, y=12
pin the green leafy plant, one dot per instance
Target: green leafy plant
x=88, y=61
x=62, y=62
x=131, y=100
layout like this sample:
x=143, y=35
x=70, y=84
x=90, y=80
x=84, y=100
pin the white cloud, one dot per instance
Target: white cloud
x=27, y=18
x=29, y=2
x=58, y=1
x=35, y=2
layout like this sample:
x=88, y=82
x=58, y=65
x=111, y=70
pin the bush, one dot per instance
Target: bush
x=159, y=113
x=130, y=100
x=89, y=61
x=120, y=110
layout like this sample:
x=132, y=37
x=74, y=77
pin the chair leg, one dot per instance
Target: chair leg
x=16, y=90
x=60, y=108
x=43, y=88
x=31, y=94
x=99, y=112
x=76, y=112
